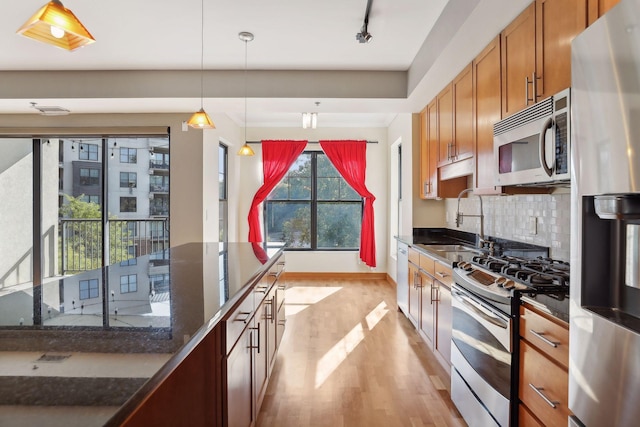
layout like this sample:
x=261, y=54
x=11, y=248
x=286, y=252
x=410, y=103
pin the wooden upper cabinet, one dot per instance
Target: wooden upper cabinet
x=488, y=110
x=462, y=86
x=432, y=141
x=518, y=42
x=597, y=8
x=445, y=125
x=557, y=23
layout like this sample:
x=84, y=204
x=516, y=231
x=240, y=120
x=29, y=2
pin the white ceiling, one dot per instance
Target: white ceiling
x=289, y=35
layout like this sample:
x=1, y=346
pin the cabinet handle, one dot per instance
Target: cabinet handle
x=280, y=263
x=546, y=340
x=437, y=291
x=255, y=347
x=425, y=187
x=539, y=391
x=534, y=86
x=273, y=274
x=526, y=90
x=441, y=274
x=246, y=315
x=282, y=287
x=282, y=322
x=262, y=289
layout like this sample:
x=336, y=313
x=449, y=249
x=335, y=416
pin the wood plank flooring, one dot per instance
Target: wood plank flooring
x=350, y=358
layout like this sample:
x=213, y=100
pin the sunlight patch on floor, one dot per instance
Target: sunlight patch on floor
x=339, y=352
x=300, y=297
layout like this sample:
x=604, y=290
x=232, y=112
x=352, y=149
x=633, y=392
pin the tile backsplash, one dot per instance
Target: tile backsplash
x=540, y=219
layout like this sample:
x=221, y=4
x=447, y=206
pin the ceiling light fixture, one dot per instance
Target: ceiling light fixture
x=309, y=120
x=245, y=150
x=200, y=119
x=56, y=25
x=364, y=36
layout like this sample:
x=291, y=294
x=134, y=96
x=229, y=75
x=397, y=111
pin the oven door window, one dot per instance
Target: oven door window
x=520, y=155
x=482, y=350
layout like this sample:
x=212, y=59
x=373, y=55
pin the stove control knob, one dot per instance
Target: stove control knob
x=520, y=287
x=465, y=266
x=509, y=284
x=500, y=281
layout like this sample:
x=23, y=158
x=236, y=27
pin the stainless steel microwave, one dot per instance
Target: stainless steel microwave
x=533, y=146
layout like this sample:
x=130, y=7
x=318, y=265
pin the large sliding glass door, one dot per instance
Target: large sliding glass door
x=91, y=202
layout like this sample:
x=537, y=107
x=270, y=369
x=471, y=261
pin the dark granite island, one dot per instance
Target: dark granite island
x=149, y=341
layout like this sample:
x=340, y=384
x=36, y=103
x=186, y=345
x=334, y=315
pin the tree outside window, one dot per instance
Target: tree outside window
x=313, y=207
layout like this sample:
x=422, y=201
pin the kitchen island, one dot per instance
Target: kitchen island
x=143, y=342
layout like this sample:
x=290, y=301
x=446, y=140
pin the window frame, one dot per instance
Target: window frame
x=135, y=200
x=88, y=151
x=313, y=203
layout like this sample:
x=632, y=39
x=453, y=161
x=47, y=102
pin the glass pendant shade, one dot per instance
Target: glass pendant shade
x=245, y=150
x=58, y=26
x=201, y=120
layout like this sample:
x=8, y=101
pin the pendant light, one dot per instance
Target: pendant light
x=245, y=150
x=200, y=119
x=56, y=25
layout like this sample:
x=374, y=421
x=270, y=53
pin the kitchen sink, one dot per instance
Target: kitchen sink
x=451, y=248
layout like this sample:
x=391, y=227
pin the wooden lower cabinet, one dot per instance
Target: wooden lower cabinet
x=239, y=394
x=543, y=385
x=430, y=309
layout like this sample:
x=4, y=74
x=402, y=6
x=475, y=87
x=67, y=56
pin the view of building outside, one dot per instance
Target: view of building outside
x=72, y=198
x=313, y=207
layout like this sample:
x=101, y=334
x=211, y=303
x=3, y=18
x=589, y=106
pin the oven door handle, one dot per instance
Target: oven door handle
x=480, y=310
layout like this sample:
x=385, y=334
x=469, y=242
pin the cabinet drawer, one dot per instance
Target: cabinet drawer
x=525, y=419
x=549, y=336
x=443, y=274
x=238, y=320
x=414, y=256
x=427, y=264
x=543, y=387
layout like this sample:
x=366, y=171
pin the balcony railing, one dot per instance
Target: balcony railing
x=158, y=188
x=158, y=165
x=81, y=241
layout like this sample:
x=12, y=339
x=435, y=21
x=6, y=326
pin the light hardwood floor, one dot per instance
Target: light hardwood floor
x=350, y=358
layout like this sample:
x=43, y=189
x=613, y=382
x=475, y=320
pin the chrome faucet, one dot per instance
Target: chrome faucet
x=460, y=217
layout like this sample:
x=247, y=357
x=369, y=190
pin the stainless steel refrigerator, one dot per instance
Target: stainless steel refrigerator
x=604, y=367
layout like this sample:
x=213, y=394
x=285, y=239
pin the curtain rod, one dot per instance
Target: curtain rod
x=308, y=142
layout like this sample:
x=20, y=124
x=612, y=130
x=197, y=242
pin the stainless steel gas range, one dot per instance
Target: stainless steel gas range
x=485, y=297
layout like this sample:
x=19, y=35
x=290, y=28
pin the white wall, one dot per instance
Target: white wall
x=376, y=180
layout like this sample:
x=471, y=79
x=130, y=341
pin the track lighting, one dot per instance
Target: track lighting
x=364, y=36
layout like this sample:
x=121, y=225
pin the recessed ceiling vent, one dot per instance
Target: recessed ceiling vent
x=48, y=357
x=50, y=110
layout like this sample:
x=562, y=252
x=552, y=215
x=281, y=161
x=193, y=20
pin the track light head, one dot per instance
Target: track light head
x=364, y=37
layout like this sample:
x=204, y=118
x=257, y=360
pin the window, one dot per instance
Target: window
x=88, y=289
x=159, y=183
x=128, y=283
x=222, y=192
x=313, y=207
x=129, y=262
x=88, y=152
x=128, y=155
x=128, y=204
x=128, y=179
x=89, y=177
x=159, y=160
x=90, y=199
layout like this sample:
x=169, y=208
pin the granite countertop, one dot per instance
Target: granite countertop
x=89, y=356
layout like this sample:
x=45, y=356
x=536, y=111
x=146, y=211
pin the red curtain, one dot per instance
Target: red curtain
x=277, y=158
x=350, y=159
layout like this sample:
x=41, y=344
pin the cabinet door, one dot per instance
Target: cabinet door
x=488, y=110
x=260, y=354
x=557, y=23
x=518, y=62
x=415, y=292
x=443, y=337
x=428, y=309
x=424, y=154
x=445, y=126
x=239, y=391
x=597, y=8
x=271, y=337
x=433, y=148
x=463, y=115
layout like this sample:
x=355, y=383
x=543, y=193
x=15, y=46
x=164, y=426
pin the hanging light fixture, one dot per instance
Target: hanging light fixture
x=200, y=119
x=56, y=25
x=245, y=150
